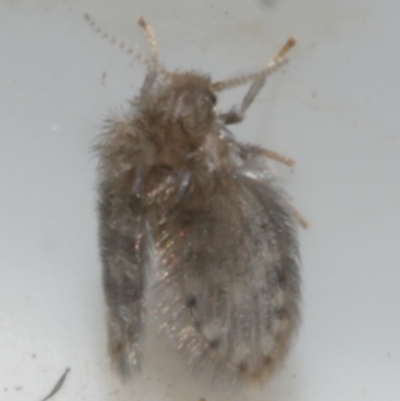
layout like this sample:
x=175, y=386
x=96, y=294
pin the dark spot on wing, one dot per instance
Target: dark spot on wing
x=191, y=302
x=282, y=277
x=243, y=367
x=280, y=313
x=214, y=344
x=267, y=360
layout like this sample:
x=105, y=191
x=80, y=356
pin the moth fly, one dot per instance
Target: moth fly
x=181, y=198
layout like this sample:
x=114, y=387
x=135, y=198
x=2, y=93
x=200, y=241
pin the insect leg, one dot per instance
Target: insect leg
x=278, y=157
x=237, y=114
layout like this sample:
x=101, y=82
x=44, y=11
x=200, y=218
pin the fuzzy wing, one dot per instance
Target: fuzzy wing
x=227, y=279
x=123, y=245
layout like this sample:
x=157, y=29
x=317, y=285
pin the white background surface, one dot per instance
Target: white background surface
x=334, y=108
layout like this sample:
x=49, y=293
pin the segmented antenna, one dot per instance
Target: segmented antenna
x=150, y=36
x=152, y=62
x=273, y=64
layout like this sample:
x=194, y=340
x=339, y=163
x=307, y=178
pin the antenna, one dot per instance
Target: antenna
x=272, y=65
x=152, y=62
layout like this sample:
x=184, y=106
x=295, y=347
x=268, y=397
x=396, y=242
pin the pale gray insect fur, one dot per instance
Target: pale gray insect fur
x=225, y=258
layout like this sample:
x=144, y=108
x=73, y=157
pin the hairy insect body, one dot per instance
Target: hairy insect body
x=225, y=260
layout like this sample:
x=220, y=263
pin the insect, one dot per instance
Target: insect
x=185, y=203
